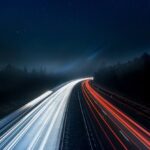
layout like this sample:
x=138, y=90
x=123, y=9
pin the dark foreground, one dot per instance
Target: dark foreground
x=77, y=115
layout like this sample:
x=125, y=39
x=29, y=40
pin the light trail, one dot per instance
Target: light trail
x=131, y=129
x=37, y=125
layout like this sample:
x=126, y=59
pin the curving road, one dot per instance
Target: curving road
x=77, y=115
x=38, y=124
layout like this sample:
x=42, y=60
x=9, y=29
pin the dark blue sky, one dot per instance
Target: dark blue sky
x=65, y=34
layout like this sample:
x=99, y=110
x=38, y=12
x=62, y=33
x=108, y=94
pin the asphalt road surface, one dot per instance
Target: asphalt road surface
x=78, y=115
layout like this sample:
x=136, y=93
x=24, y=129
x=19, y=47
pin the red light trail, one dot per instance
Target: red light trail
x=137, y=135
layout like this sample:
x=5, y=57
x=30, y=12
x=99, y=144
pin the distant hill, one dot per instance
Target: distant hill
x=131, y=78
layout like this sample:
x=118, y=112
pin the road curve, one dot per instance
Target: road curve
x=37, y=125
x=75, y=117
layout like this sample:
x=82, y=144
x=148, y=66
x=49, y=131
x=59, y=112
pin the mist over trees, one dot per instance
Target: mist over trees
x=19, y=86
x=131, y=79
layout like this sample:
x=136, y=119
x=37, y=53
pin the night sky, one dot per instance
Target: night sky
x=73, y=35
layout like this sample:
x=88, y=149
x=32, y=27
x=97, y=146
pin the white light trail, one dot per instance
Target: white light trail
x=41, y=127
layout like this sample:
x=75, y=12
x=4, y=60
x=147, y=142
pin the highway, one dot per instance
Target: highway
x=77, y=115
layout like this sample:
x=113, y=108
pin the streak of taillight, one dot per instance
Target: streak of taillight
x=119, y=128
x=107, y=137
x=131, y=125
